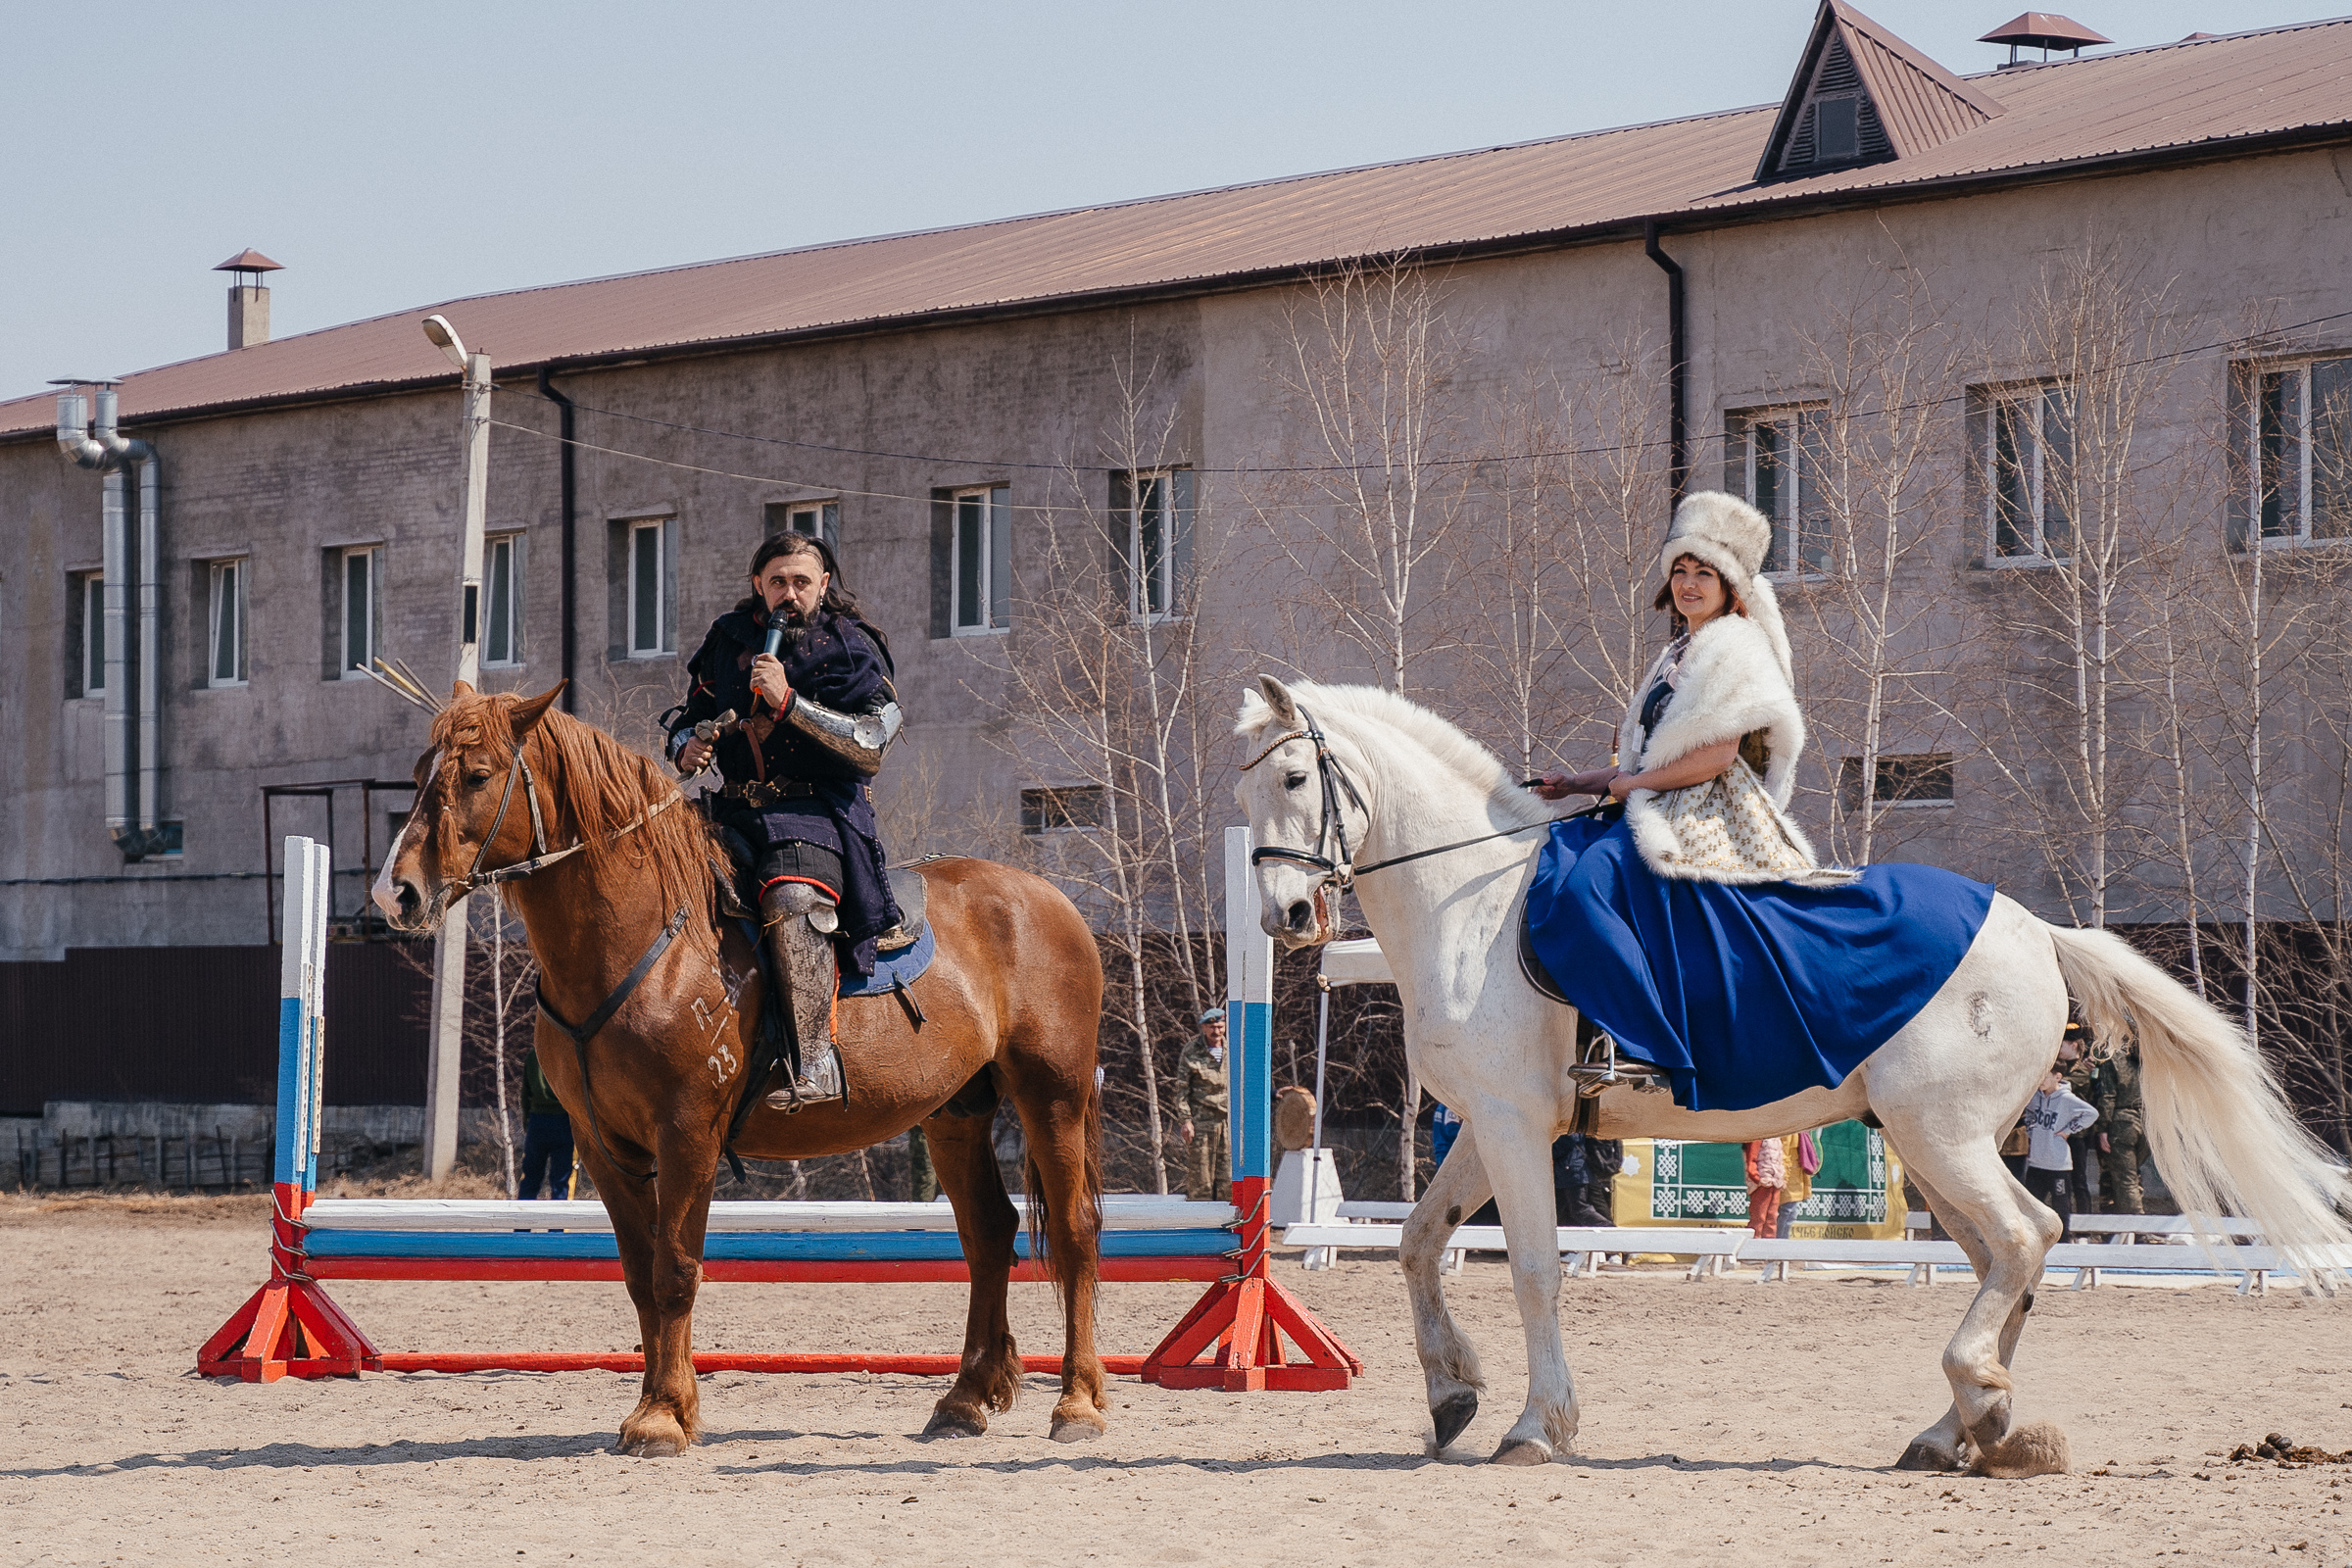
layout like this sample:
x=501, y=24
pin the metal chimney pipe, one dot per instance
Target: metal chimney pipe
x=132, y=736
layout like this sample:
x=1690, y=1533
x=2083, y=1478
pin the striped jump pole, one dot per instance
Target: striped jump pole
x=290, y=1325
x=1237, y=1336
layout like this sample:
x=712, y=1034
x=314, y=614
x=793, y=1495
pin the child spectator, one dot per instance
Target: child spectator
x=2052, y=1116
x=1767, y=1174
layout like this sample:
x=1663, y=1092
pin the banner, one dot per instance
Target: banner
x=1857, y=1194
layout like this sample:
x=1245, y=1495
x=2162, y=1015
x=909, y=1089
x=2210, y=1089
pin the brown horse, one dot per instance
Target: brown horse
x=1015, y=992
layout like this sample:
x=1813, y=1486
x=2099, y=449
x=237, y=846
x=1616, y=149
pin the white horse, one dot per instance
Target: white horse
x=1388, y=779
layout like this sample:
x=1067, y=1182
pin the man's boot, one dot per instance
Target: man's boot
x=797, y=920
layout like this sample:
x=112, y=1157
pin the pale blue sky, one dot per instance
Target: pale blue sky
x=393, y=155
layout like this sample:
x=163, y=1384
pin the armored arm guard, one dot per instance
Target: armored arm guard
x=859, y=739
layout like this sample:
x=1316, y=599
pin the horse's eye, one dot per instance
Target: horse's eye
x=478, y=778
x=1294, y=781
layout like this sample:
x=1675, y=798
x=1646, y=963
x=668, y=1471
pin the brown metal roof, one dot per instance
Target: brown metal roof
x=2186, y=98
x=249, y=261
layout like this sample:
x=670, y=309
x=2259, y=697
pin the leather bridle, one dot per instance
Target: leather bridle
x=541, y=858
x=1339, y=870
x=1331, y=832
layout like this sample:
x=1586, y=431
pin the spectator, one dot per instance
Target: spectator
x=1583, y=1170
x=2121, y=1142
x=545, y=1134
x=2052, y=1116
x=2081, y=1074
x=1444, y=1126
x=922, y=1181
x=1767, y=1174
x=1209, y=1171
x=1800, y=1157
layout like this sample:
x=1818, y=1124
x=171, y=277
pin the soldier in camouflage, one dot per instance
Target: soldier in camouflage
x=2123, y=1144
x=1209, y=1174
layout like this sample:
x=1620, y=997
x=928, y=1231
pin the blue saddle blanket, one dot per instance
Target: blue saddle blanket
x=1744, y=995
x=892, y=969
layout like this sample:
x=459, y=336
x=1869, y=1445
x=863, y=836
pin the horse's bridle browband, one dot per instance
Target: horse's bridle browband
x=1341, y=871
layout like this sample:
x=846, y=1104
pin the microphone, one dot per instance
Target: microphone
x=775, y=636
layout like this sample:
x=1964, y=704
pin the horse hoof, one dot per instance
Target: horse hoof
x=952, y=1424
x=1452, y=1414
x=2037, y=1449
x=1925, y=1455
x=1078, y=1429
x=652, y=1444
x=1522, y=1450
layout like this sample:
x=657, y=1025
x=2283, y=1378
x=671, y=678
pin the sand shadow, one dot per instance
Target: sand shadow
x=304, y=1455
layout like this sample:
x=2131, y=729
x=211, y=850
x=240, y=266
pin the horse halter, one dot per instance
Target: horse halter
x=1338, y=870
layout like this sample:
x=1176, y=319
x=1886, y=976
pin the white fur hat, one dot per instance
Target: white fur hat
x=1733, y=537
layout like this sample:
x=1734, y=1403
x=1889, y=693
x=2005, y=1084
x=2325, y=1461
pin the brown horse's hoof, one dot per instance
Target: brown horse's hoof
x=1078, y=1421
x=2037, y=1449
x=1522, y=1450
x=656, y=1436
x=1925, y=1455
x=954, y=1424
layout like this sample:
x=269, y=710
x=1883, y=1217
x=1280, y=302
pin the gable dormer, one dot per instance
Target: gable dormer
x=1863, y=96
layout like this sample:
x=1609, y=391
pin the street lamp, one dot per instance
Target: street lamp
x=449, y=952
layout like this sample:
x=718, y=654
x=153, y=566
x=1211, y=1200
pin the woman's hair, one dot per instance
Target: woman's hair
x=1733, y=604
x=838, y=598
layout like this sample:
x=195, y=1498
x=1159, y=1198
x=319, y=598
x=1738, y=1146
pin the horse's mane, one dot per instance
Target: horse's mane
x=600, y=787
x=1445, y=744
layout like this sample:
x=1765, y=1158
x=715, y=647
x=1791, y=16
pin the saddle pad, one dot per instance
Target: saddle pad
x=892, y=969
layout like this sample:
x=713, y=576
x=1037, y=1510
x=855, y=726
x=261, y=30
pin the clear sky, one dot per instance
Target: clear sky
x=395, y=155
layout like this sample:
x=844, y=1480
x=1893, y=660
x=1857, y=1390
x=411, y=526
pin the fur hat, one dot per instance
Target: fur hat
x=1733, y=537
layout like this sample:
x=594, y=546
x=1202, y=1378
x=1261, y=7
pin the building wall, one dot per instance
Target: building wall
x=1008, y=401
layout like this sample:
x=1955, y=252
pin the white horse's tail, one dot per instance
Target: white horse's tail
x=2217, y=1121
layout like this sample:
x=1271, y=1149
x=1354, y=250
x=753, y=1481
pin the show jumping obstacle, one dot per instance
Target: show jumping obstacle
x=291, y=1327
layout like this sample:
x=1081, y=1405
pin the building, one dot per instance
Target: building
x=914, y=396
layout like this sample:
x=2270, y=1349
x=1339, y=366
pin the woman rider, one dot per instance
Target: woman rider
x=814, y=717
x=1699, y=932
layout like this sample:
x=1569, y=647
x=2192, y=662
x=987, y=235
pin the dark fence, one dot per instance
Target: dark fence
x=199, y=1025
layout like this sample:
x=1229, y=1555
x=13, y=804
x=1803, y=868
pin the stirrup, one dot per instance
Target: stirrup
x=1602, y=1068
x=819, y=1083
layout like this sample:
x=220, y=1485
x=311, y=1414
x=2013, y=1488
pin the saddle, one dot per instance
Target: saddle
x=739, y=892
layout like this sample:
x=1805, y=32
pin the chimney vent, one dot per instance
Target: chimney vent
x=2044, y=30
x=248, y=298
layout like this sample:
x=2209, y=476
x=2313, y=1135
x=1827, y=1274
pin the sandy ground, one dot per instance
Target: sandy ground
x=1727, y=1422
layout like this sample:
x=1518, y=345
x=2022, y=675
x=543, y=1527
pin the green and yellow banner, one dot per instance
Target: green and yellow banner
x=1857, y=1195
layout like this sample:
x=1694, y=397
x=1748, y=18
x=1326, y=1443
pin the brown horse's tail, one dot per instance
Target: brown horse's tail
x=1068, y=1273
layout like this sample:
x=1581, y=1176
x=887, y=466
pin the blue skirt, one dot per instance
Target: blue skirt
x=1744, y=995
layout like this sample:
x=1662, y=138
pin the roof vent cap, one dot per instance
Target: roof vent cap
x=2044, y=30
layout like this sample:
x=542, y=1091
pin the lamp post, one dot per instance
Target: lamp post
x=449, y=945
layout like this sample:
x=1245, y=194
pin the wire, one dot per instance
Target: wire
x=988, y=463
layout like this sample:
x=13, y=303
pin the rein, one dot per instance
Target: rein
x=1341, y=871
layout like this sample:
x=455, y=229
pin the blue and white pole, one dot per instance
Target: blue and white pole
x=1250, y=1044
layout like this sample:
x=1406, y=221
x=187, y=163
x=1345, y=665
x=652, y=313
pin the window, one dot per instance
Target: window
x=361, y=581
x=86, y=633
x=224, y=622
x=1920, y=779
x=1775, y=458
x=502, y=582
x=2302, y=439
x=2025, y=459
x=652, y=567
x=981, y=555
x=1068, y=808
x=1151, y=533
x=819, y=519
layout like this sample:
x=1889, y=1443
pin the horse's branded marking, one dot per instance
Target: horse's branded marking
x=1979, y=1015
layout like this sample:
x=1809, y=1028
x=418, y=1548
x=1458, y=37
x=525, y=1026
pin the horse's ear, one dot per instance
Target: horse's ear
x=530, y=711
x=1278, y=698
x=460, y=691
